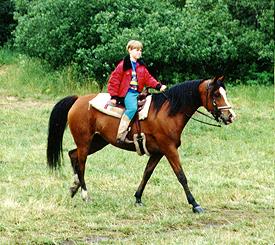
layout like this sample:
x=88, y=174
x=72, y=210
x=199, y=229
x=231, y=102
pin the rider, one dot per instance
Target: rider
x=126, y=82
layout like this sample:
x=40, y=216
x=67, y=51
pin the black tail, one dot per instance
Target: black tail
x=57, y=126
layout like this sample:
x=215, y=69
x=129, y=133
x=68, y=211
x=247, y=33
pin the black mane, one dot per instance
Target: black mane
x=179, y=96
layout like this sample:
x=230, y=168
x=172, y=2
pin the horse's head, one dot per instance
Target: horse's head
x=213, y=96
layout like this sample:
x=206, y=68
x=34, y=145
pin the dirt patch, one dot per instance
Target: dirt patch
x=231, y=216
x=12, y=102
x=88, y=240
x=96, y=239
x=3, y=69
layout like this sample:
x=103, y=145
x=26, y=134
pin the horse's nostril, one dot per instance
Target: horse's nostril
x=231, y=118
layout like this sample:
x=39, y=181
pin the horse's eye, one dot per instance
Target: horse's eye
x=217, y=95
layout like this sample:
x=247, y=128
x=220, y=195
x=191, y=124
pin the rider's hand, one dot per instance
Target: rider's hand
x=162, y=88
x=113, y=102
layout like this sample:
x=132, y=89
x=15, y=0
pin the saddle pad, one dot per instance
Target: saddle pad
x=100, y=102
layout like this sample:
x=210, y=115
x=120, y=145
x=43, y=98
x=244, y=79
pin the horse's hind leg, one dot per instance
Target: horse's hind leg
x=97, y=144
x=152, y=163
x=78, y=160
x=74, y=161
x=82, y=153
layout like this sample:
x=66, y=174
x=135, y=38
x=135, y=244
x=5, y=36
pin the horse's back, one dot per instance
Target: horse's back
x=85, y=120
x=78, y=116
x=81, y=104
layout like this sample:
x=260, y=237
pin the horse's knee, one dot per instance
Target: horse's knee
x=73, y=155
x=74, y=160
x=70, y=153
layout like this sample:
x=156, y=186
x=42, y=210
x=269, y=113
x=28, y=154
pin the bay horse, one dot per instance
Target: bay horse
x=169, y=112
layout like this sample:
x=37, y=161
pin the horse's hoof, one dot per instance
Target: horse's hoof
x=198, y=209
x=87, y=199
x=85, y=196
x=73, y=191
x=139, y=203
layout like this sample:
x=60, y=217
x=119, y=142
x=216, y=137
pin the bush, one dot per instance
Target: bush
x=182, y=40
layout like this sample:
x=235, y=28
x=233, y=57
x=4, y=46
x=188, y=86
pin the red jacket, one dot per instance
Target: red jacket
x=120, y=78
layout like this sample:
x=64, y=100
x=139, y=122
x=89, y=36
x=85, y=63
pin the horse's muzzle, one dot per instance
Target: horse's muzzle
x=228, y=116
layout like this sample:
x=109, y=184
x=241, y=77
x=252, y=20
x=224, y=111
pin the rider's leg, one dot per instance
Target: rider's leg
x=130, y=111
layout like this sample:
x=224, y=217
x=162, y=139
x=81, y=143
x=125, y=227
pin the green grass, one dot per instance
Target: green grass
x=230, y=172
x=28, y=77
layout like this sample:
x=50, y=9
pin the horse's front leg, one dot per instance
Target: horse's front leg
x=152, y=163
x=174, y=160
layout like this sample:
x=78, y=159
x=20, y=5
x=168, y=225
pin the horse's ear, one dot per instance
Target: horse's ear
x=217, y=80
x=221, y=78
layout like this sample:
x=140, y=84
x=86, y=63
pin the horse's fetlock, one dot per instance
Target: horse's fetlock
x=84, y=195
x=76, y=180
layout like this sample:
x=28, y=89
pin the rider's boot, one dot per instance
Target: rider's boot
x=123, y=130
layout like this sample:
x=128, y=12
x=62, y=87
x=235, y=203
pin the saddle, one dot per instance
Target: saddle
x=142, y=99
x=102, y=103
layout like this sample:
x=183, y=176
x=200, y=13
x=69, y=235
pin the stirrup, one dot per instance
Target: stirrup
x=127, y=141
x=124, y=141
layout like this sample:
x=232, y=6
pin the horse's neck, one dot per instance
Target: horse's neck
x=190, y=111
x=181, y=119
x=187, y=114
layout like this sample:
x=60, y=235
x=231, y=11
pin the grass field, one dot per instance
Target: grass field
x=230, y=172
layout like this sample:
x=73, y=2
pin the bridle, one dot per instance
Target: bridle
x=217, y=110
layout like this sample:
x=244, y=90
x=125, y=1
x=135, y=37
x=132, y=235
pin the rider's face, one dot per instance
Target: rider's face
x=135, y=53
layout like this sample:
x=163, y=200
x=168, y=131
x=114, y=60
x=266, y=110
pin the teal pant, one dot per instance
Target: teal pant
x=131, y=104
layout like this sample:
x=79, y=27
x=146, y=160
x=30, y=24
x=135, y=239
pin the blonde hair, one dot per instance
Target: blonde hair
x=132, y=44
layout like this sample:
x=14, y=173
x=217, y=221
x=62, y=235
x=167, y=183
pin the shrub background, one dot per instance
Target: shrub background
x=7, y=23
x=182, y=39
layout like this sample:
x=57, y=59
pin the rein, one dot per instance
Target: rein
x=210, y=124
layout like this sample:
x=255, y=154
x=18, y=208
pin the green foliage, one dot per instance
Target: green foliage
x=7, y=56
x=182, y=39
x=7, y=23
x=30, y=77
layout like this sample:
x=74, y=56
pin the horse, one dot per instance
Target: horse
x=169, y=113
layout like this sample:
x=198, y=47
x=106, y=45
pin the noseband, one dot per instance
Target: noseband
x=217, y=110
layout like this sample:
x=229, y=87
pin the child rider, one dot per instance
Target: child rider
x=126, y=82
